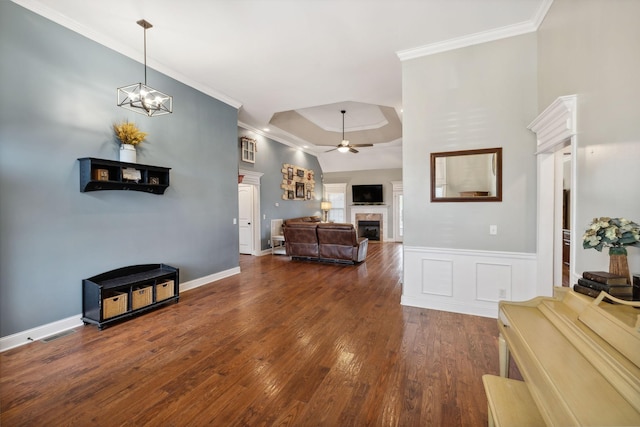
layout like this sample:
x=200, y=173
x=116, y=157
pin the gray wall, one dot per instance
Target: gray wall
x=592, y=51
x=375, y=176
x=481, y=96
x=58, y=102
x=270, y=157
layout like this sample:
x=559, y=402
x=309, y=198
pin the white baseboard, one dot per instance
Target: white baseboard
x=451, y=306
x=39, y=332
x=196, y=283
x=44, y=331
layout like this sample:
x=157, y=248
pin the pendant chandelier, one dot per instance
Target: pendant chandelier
x=141, y=98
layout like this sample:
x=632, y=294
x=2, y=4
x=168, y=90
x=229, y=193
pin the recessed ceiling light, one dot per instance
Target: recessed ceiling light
x=265, y=129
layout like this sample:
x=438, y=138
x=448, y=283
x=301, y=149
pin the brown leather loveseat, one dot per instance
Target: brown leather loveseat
x=324, y=241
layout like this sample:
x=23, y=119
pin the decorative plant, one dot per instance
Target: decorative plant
x=611, y=232
x=128, y=133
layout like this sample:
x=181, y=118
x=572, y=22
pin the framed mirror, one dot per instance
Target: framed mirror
x=467, y=176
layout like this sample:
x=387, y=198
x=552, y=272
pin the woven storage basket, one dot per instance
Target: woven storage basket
x=141, y=297
x=114, y=305
x=164, y=290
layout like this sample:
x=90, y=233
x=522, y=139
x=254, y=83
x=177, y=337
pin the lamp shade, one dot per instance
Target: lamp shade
x=325, y=206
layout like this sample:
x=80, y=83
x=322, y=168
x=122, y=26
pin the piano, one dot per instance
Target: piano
x=579, y=358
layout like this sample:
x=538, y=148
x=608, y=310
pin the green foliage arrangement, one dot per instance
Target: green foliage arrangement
x=611, y=232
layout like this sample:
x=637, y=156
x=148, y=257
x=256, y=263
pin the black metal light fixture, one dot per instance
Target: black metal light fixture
x=141, y=98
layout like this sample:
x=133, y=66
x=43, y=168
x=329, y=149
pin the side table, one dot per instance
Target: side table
x=277, y=245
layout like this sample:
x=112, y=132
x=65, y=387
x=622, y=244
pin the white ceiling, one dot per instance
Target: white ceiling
x=313, y=56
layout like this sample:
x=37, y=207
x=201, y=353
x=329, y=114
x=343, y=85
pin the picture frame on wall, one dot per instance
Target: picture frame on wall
x=299, y=190
x=290, y=194
x=308, y=194
x=289, y=173
x=300, y=173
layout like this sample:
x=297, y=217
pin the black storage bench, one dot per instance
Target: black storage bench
x=125, y=292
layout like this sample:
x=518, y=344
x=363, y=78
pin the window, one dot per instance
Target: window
x=337, y=195
x=248, y=150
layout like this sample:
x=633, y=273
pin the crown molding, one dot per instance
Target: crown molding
x=465, y=41
x=47, y=12
x=479, y=38
x=541, y=13
x=278, y=138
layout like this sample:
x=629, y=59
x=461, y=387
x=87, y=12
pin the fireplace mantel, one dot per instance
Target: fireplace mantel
x=373, y=209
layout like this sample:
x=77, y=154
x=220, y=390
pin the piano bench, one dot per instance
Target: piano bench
x=510, y=403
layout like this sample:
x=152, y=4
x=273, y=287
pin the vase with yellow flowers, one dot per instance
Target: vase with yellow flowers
x=616, y=234
x=129, y=136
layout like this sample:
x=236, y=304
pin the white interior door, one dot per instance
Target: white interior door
x=245, y=218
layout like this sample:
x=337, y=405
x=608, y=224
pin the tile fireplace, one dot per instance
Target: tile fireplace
x=370, y=214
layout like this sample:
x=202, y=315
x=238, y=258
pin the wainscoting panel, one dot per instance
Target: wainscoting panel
x=493, y=281
x=466, y=281
x=437, y=277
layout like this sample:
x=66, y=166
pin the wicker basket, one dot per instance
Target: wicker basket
x=164, y=290
x=141, y=297
x=114, y=305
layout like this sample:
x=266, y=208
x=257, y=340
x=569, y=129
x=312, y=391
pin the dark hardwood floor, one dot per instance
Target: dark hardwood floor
x=283, y=343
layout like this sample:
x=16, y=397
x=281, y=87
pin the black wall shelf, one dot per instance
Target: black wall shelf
x=102, y=174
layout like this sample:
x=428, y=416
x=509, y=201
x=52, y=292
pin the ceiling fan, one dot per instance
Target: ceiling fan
x=344, y=146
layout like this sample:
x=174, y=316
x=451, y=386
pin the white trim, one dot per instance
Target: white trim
x=475, y=253
x=45, y=11
x=398, y=189
x=40, y=332
x=555, y=128
x=466, y=41
x=480, y=37
x=281, y=140
x=452, y=306
x=196, y=283
x=541, y=13
x=252, y=178
x=556, y=124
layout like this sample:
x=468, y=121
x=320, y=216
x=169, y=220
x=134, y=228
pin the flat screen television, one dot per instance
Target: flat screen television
x=367, y=194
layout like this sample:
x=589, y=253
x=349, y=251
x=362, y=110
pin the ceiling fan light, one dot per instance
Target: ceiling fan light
x=343, y=149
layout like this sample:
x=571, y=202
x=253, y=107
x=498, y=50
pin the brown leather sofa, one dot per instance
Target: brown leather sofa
x=324, y=242
x=301, y=239
x=315, y=219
